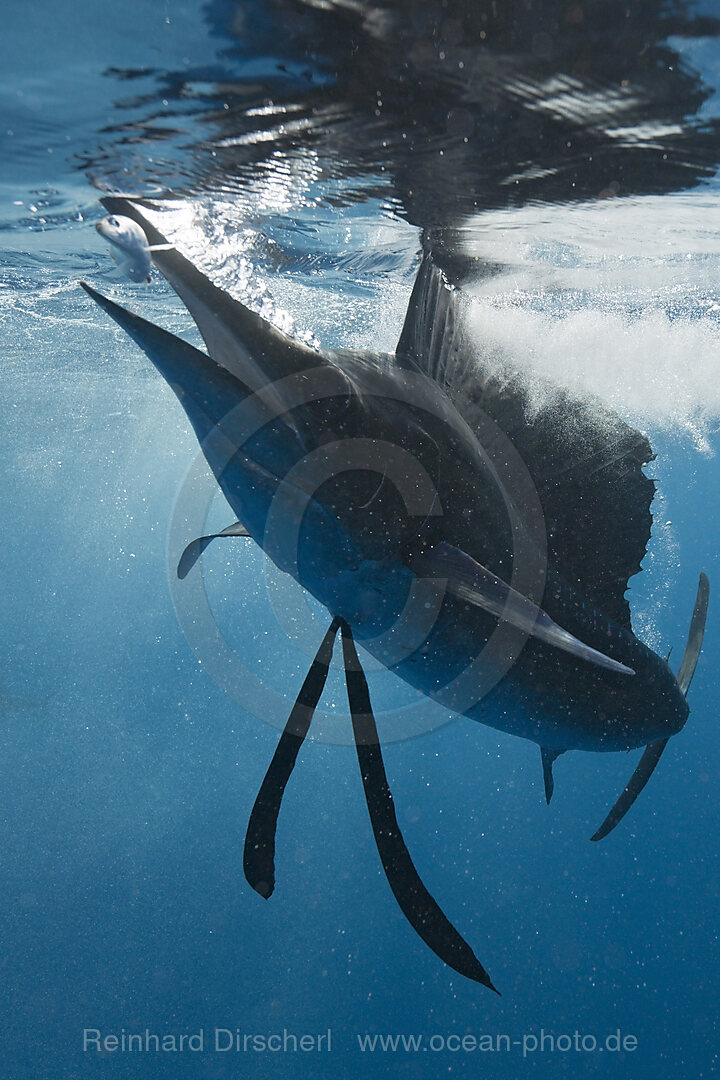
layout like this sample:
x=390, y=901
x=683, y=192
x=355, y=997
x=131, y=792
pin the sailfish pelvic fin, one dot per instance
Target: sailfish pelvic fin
x=417, y=905
x=259, y=854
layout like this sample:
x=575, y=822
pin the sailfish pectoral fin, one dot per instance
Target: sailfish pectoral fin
x=653, y=751
x=259, y=854
x=416, y=903
x=474, y=583
x=195, y=548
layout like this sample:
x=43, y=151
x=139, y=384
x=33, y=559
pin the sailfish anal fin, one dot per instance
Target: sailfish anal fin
x=417, y=905
x=653, y=751
x=548, y=757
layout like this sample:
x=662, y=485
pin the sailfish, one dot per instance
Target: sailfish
x=480, y=550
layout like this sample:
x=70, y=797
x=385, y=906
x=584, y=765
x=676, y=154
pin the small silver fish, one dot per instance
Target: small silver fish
x=128, y=246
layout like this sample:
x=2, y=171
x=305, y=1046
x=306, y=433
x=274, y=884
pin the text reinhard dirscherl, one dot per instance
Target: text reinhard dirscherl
x=220, y=1040
x=223, y=1040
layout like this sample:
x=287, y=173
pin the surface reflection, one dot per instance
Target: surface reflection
x=535, y=144
x=448, y=107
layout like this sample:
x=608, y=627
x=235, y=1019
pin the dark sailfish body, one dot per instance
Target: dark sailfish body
x=482, y=558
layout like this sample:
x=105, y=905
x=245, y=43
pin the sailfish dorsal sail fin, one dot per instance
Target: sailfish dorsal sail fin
x=586, y=463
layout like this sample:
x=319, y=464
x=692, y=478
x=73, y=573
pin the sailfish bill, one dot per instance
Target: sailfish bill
x=653, y=751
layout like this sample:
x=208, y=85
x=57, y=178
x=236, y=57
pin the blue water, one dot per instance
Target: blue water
x=128, y=772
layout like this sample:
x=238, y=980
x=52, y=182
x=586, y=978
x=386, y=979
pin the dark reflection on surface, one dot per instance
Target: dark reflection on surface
x=451, y=106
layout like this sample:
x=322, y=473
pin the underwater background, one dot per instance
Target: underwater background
x=563, y=159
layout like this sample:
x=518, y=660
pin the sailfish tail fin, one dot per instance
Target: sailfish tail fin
x=653, y=751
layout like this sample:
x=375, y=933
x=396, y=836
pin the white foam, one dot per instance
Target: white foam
x=330, y=281
x=649, y=369
x=617, y=300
